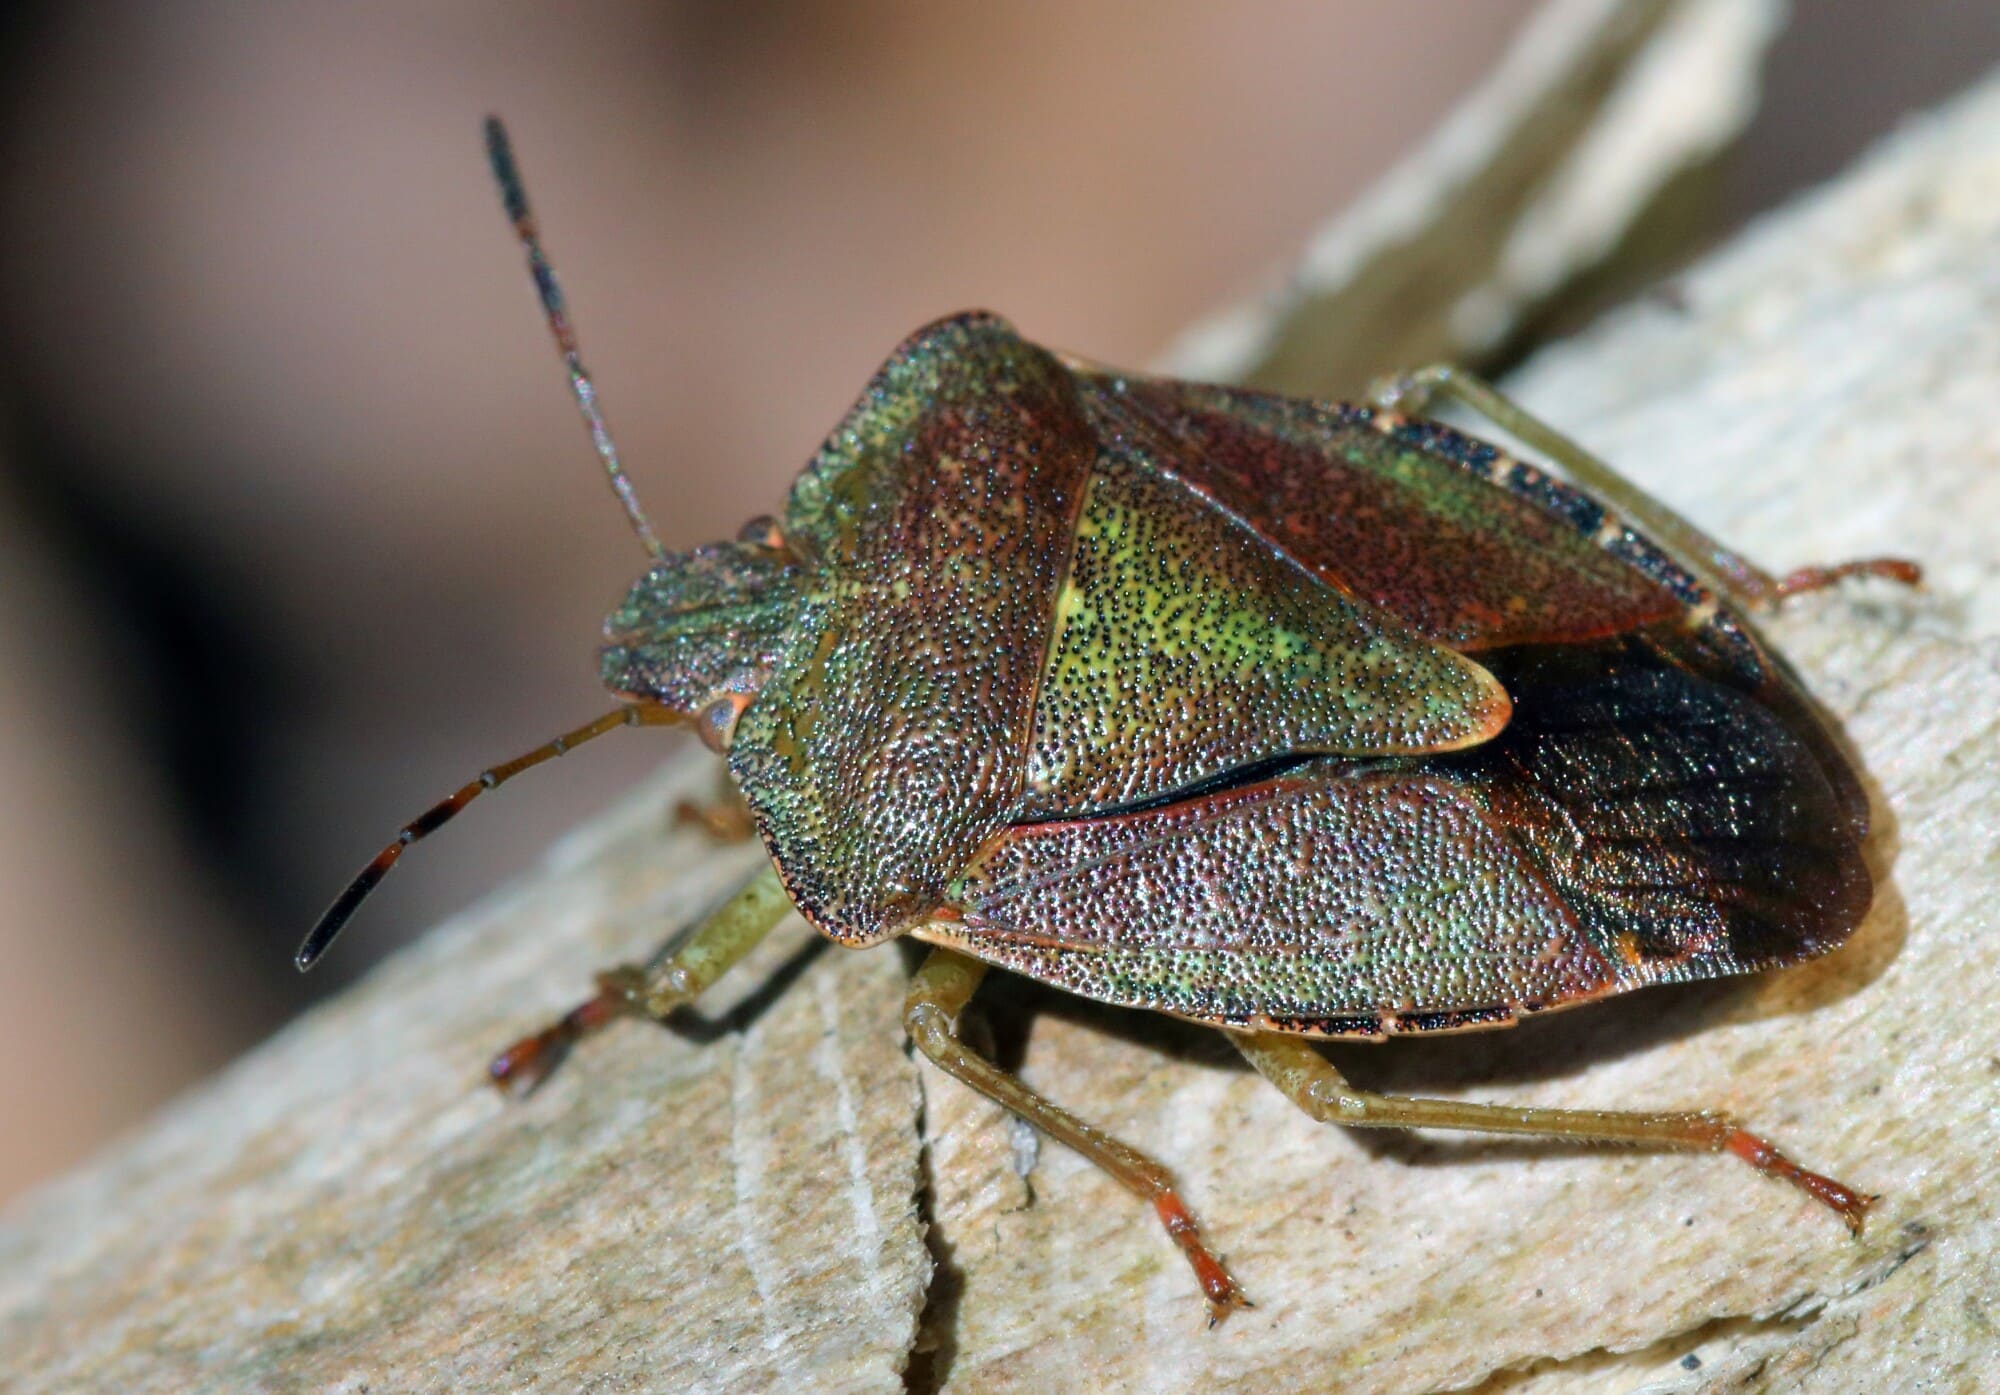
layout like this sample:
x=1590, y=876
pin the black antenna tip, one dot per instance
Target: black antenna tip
x=343, y=907
x=323, y=934
x=500, y=154
x=314, y=947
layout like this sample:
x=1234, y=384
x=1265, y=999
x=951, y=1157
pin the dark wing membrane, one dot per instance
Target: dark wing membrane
x=1724, y=650
x=1694, y=828
x=1636, y=823
x=1432, y=527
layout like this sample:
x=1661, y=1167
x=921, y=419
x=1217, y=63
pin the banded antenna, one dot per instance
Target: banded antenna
x=500, y=152
x=516, y=200
x=445, y=810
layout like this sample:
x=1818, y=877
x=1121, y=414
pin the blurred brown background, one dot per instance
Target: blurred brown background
x=297, y=525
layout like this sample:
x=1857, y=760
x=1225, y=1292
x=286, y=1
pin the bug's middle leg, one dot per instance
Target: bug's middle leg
x=1321, y=1091
x=938, y=991
x=650, y=990
x=1721, y=569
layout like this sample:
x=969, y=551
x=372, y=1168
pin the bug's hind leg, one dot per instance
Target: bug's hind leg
x=1804, y=579
x=1722, y=570
x=1321, y=1091
x=650, y=990
x=939, y=989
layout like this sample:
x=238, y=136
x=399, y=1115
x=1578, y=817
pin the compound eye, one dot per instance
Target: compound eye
x=715, y=723
x=762, y=531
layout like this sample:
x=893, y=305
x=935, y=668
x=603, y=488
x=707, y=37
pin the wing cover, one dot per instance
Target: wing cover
x=1411, y=522
x=1636, y=823
x=1185, y=646
x=891, y=739
x=1663, y=803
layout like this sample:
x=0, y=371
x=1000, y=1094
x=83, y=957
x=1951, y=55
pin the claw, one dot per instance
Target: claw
x=1222, y=1306
x=520, y=1070
x=1218, y=1286
x=1850, y=1205
x=1805, y=579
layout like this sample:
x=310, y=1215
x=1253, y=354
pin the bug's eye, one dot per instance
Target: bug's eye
x=715, y=723
x=762, y=531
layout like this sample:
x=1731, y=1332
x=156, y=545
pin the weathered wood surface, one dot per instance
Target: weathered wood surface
x=351, y=1208
x=745, y=1208
x=1575, y=169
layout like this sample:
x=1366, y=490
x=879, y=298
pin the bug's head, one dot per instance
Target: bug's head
x=699, y=632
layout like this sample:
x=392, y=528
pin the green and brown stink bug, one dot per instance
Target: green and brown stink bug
x=1298, y=719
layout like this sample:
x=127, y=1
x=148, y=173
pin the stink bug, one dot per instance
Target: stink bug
x=1298, y=719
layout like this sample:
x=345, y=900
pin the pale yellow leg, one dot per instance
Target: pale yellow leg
x=1315, y=1086
x=1723, y=571
x=634, y=990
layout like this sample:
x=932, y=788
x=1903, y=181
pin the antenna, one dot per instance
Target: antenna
x=500, y=153
x=447, y=809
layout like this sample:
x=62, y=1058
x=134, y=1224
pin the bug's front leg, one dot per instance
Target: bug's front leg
x=654, y=990
x=1321, y=1091
x=724, y=820
x=1723, y=570
x=938, y=991
x=723, y=816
